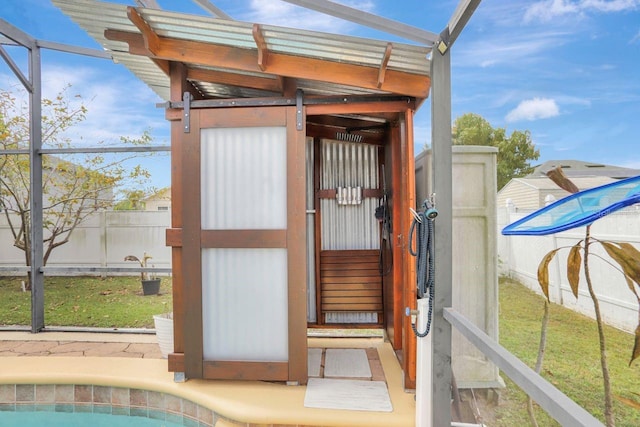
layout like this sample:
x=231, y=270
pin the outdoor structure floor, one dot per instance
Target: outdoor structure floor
x=134, y=361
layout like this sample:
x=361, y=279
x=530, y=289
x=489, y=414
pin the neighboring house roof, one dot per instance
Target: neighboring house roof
x=579, y=168
x=532, y=193
x=158, y=201
x=543, y=183
x=162, y=194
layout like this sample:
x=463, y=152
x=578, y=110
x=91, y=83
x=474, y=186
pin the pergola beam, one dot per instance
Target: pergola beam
x=13, y=33
x=215, y=11
x=368, y=19
x=151, y=4
x=16, y=70
x=460, y=17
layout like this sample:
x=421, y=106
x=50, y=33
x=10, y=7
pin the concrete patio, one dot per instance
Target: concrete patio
x=78, y=344
x=86, y=367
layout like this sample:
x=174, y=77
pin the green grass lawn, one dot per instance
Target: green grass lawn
x=572, y=358
x=113, y=302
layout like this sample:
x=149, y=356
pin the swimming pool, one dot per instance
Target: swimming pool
x=78, y=419
x=27, y=405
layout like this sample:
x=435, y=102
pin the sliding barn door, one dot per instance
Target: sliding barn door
x=244, y=245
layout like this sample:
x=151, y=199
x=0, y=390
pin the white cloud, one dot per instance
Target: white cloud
x=610, y=5
x=635, y=38
x=533, y=109
x=276, y=12
x=491, y=51
x=546, y=10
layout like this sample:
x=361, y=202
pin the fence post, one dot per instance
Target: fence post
x=103, y=241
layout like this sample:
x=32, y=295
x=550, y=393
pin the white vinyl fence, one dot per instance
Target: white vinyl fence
x=102, y=241
x=519, y=257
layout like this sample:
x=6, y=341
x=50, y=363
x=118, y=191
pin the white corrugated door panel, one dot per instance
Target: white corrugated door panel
x=244, y=291
x=244, y=178
x=245, y=304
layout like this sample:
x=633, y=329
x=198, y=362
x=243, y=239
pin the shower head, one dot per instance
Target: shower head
x=349, y=137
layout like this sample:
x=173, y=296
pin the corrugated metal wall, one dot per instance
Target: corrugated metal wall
x=347, y=164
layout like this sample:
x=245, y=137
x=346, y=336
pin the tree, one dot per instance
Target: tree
x=72, y=189
x=514, y=151
x=132, y=200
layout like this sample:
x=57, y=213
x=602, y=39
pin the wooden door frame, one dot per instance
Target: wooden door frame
x=191, y=239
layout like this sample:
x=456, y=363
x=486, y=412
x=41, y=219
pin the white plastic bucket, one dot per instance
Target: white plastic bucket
x=164, y=332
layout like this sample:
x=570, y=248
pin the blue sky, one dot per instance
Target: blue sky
x=566, y=70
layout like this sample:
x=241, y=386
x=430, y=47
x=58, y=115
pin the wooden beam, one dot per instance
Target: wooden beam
x=296, y=248
x=397, y=82
x=360, y=108
x=151, y=39
x=244, y=238
x=247, y=371
x=383, y=65
x=191, y=267
x=263, y=50
x=366, y=193
x=234, y=79
x=163, y=65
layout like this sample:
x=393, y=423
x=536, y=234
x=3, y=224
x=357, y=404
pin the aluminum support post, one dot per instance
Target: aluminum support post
x=442, y=185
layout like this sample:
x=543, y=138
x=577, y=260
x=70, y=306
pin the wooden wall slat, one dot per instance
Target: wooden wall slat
x=368, y=281
x=361, y=265
x=354, y=299
x=350, y=281
x=352, y=286
x=351, y=259
x=350, y=273
x=350, y=294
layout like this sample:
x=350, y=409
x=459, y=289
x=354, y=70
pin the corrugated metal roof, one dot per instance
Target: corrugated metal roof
x=97, y=16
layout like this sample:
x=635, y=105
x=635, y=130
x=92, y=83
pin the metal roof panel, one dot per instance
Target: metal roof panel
x=97, y=16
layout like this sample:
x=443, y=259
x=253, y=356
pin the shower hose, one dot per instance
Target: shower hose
x=422, y=230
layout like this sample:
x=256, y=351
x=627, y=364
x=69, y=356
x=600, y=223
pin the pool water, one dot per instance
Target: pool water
x=77, y=419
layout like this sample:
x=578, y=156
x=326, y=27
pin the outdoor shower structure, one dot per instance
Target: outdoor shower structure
x=285, y=143
x=275, y=225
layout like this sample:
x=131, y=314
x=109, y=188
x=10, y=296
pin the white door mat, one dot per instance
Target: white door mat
x=346, y=363
x=354, y=395
x=314, y=360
